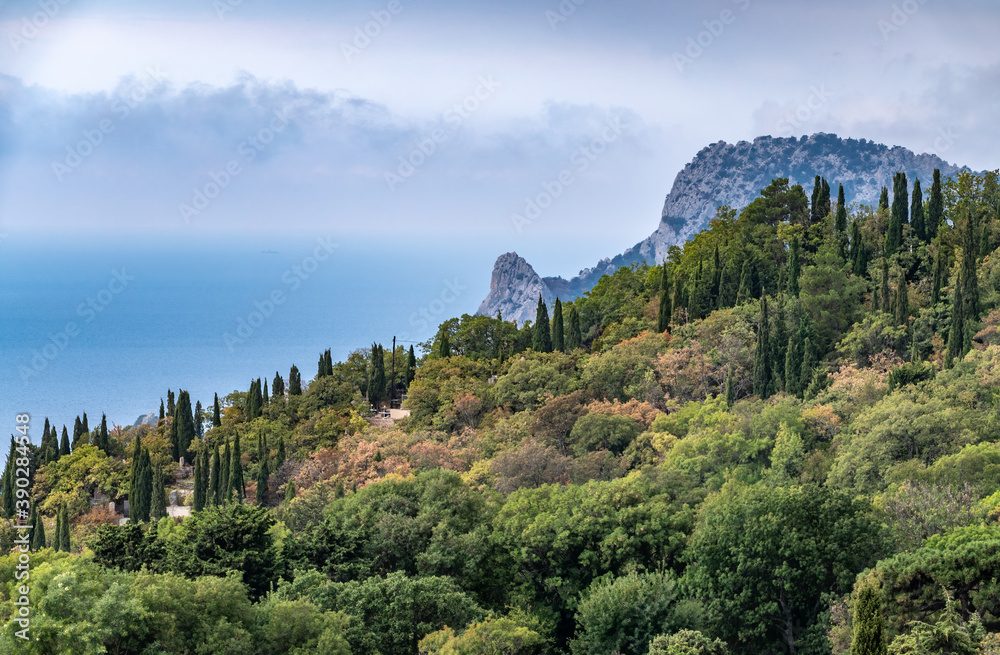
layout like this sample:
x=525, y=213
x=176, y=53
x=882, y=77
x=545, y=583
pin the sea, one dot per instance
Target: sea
x=105, y=326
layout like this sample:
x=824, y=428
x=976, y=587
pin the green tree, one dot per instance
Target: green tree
x=294, y=382
x=794, y=268
x=277, y=387
x=956, y=332
x=558, y=328
x=236, y=484
x=574, y=338
x=200, y=492
x=263, y=496
x=199, y=422
x=541, y=340
x=917, y=213
x=158, y=503
x=224, y=493
x=743, y=293
x=968, y=277
x=665, y=308
x=883, y=200
x=184, y=419
x=444, y=347
x=57, y=537
x=940, y=268
x=516, y=633
x=213, y=478
x=411, y=366
x=289, y=492
x=216, y=413
x=64, y=444
x=869, y=623
x=935, y=207
x=901, y=301
x=840, y=224
x=63, y=536
x=762, y=353
x=144, y=496
x=170, y=402
x=8, y=481
x=687, y=642
x=280, y=456
x=37, y=530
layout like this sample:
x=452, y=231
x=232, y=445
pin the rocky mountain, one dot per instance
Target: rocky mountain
x=153, y=417
x=723, y=174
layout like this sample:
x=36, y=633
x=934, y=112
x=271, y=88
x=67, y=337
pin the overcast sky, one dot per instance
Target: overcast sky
x=116, y=118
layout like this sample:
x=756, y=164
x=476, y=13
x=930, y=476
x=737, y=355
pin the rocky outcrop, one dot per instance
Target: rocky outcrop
x=723, y=174
x=147, y=419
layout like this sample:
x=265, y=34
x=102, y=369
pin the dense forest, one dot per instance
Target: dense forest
x=783, y=439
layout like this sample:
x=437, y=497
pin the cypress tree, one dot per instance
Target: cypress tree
x=824, y=200
x=868, y=623
x=840, y=224
x=956, y=333
x=663, y=317
x=263, y=474
x=793, y=353
x=294, y=382
x=901, y=197
x=762, y=353
x=940, y=264
x=252, y=405
x=224, y=492
x=808, y=361
x=917, y=212
x=411, y=366
x=200, y=492
x=968, y=277
x=289, y=491
x=574, y=337
x=45, y=435
x=541, y=340
x=883, y=201
x=162, y=413
x=859, y=254
x=985, y=247
x=213, y=478
x=699, y=295
x=174, y=440
x=280, y=457
x=65, y=544
x=216, y=413
x=794, y=268
x=265, y=401
x=77, y=432
x=277, y=387
x=158, y=503
x=199, y=423
x=376, y=375
x=9, y=509
x=885, y=299
x=171, y=406
x=105, y=440
x=814, y=201
x=743, y=293
x=935, y=207
x=730, y=388
x=64, y=445
x=558, y=328
x=236, y=472
x=901, y=301
x=146, y=485
x=444, y=347
x=716, y=278
x=37, y=530
x=185, y=423
x=894, y=233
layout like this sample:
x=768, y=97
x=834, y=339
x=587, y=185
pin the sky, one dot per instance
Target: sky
x=435, y=121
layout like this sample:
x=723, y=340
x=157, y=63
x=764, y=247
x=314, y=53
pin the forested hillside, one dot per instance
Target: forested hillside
x=783, y=439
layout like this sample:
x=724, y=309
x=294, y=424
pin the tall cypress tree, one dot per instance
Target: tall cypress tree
x=105, y=440
x=716, y=277
x=574, y=337
x=158, y=504
x=200, y=492
x=883, y=200
x=184, y=420
x=956, y=332
x=294, y=382
x=162, y=412
x=37, y=530
x=968, y=277
x=216, y=413
x=279, y=458
x=917, y=212
x=277, y=387
x=868, y=624
x=824, y=200
x=265, y=401
x=84, y=424
x=558, y=328
x=64, y=445
x=213, y=478
x=762, y=353
x=794, y=268
x=224, y=491
x=663, y=318
x=236, y=471
x=541, y=340
x=411, y=366
x=252, y=405
x=894, y=233
x=885, y=300
x=814, y=201
x=263, y=474
x=901, y=198
x=140, y=512
x=901, y=301
x=171, y=406
x=940, y=264
x=77, y=432
x=730, y=389
x=743, y=293
x=57, y=537
x=65, y=543
x=9, y=509
x=840, y=224
x=859, y=254
x=199, y=423
x=935, y=207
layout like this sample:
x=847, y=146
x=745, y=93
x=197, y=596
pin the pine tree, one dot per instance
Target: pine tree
x=794, y=268
x=411, y=366
x=200, y=492
x=868, y=623
x=294, y=382
x=184, y=420
x=541, y=340
x=666, y=307
x=883, y=200
x=64, y=445
x=236, y=472
x=956, y=332
x=762, y=353
x=935, y=207
x=158, y=503
x=216, y=413
x=213, y=478
x=289, y=491
x=574, y=337
x=199, y=423
x=917, y=212
x=840, y=224
x=558, y=328
x=279, y=459
x=263, y=474
x=224, y=491
x=901, y=301
x=730, y=389
x=65, y=544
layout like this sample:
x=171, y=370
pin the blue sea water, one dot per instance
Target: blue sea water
x=109, y=327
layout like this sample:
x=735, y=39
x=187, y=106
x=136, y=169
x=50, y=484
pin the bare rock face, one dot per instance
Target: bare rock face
x=724, y=174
